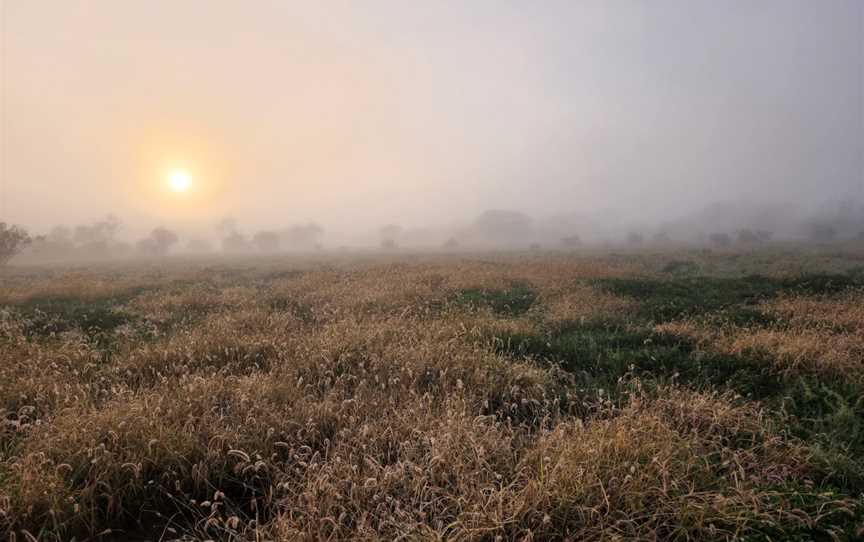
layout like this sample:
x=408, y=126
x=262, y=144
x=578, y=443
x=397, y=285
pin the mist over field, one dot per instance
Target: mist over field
x=674, y=119
x=484, y=270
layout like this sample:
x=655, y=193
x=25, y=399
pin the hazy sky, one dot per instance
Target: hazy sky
x=425, y=112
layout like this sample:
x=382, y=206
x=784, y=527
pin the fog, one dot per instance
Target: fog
x=386, y=123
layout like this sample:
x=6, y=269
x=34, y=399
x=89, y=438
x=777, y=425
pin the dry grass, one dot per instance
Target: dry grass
x=373, y=401
x=811, y=334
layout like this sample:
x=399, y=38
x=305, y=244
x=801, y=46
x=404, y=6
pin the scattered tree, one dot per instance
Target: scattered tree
x=232, y=239
x=303, y=235
x=720, y=239
x=100, y=232
x=164, y=239
x=390, y=232
x=267, y=241
x=158, y=243
x=58, y=243
x=60, y=235
x=147, y=247
x=13, y=239
x=97, y=239
x=821, y=232
x=571, y=241
x=750, y=237
x=635, y=239
x=662, y=238
x=235, y=242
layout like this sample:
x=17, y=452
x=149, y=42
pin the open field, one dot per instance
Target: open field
x=689, y=395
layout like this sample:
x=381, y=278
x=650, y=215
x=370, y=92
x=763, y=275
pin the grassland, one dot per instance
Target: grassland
x=692, y=395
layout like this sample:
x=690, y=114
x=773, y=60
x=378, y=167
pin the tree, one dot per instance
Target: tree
x=571, y=241
x=635, y=239
x=13, y=239
x=147, y=247
x=662, y=238
x=226, y=227
x=60, y=235
x=303, y=235
x=821, y=232
x=235, y=242
x=267, y=241
x=451, y=244
x=158, y=243
x=764, y=235
x=390, y=232
x=57, y=244
x=232, y=239
x=720, y=239
x=99, y=232
x=164, y=239
x=97, y=240
x=750, y=237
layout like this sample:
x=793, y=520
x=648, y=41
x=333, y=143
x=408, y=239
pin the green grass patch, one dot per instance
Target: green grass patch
x=514, y=301
x=667, y=299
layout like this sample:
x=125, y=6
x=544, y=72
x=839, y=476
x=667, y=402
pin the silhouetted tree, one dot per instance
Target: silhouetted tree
x=720, y=239
x=147, y=247
x=99, y=232
x=451, y=244
x=303, y=235
x=158, y=243
x=97, y=239
x=267, y=241
x=59, y=234
x=821, y=232
x=750, y=237
x=232, y=239
x=661, y=238
x=746, y=236
x=164, y=239
x=13, y=239
x=388, y=244
x=635, y=239
x=764, y=235
x=571, y=241
x=390, y=232
x=235, y=242
x=58, y=243
x=226, y=227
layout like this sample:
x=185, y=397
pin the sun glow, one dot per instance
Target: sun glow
x=179, y=181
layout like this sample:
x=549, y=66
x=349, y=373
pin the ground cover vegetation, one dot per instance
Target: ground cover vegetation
x=674, y=395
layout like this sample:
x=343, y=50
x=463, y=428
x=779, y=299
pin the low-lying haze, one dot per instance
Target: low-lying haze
x=602, y=115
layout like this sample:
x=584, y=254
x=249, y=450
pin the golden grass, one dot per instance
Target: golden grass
x=363, y=403
x=815, y=334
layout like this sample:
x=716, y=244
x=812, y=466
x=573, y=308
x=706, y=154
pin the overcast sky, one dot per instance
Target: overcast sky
x=426, y=113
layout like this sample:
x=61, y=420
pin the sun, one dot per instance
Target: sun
x=179, y=181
